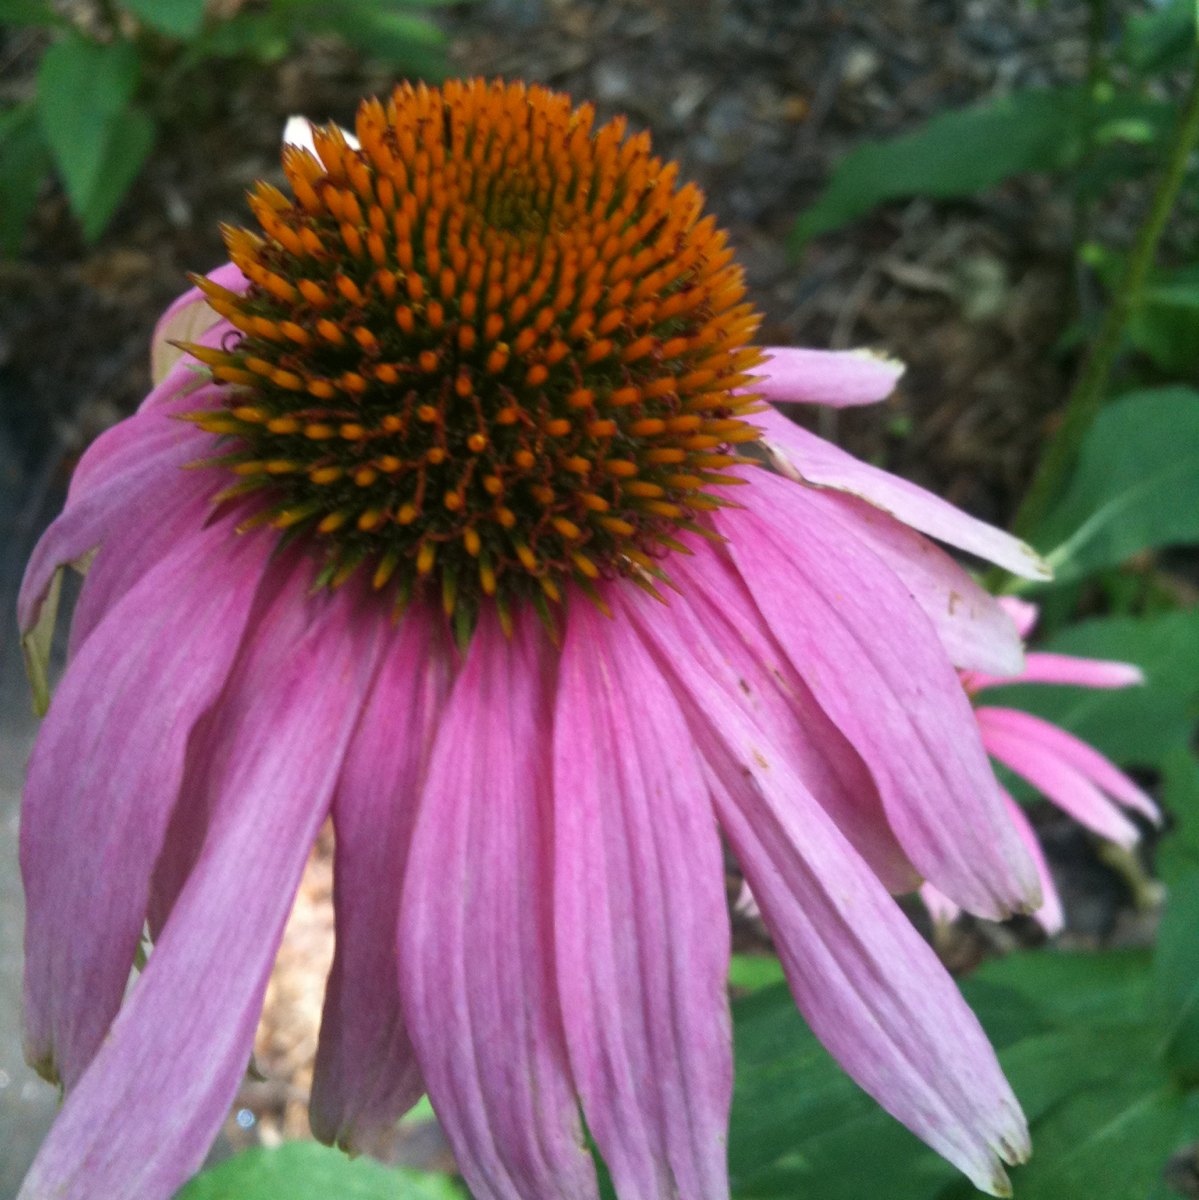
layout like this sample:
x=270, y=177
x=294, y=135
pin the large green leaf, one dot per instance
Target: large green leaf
x=98, y=141
x=1136, y=485
x=954, y=154
x=307, y=1171
x=1176, y=969
x=1136, y=725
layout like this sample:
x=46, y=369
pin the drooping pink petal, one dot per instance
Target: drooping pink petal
x=142, y=1117
x=974, y=629
x=717, y=621
x=1084, y=759
x=1050, y=915
x=476, y=929
x=869, y=986
x=188, y=319
x=875, y=665
x=130, y=549
x=838, y=378
x=1063, y=783
x=1042, y=667
x=641, y=920
x=103, y=779
x=366, y=1074
x=810, y=459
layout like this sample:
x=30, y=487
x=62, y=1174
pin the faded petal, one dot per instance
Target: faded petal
x=103, y=779
x=875, y=665
x=476, y=929
x=641, y=920
x=189, y=319
x=974, y=629
x=1042, y=667
x=1050, y=915
x=115, y=1136
x=366, y=1074
x=837, y=378
x=809, y=459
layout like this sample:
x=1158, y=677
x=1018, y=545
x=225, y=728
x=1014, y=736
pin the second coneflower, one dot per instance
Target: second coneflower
x=457, y=535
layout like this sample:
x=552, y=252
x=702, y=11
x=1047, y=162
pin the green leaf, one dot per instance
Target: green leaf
x=1162, y=37
x=749, y=972
x=307, y=1171
x=263, y=37
x=176, y=18
x=1136, y=485
x=24, y=163
x=99, y=143
x=1135, y=725
x=1178, y=854
x=1165, y=323
x=1176, y=975
x=404, y=42
x=954, y=154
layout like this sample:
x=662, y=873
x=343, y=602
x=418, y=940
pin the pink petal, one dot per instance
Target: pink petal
x=869, y=986
x=1040, y=667
x=1023, y=613
x=809, y=459
x=126, y=476
x=103, y=779
x=142, y=1117
x=1049, y=916
x=366, y=1075
x=726, y=643
x=876, y=667
x=476, y=929
x=641, y=919
x=942, y=910
x=974, y=629
x=1084, y=759
x=1070, y=790
x=839, y=378
x=188, y=319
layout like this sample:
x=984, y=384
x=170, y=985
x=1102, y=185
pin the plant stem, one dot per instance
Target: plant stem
x=1087, y=393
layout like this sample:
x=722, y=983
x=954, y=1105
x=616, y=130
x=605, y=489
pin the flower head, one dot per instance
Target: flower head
x=466, y=400
x=1075, y=776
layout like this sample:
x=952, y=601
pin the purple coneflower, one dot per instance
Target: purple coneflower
x=1076, y=777
x=458, y=558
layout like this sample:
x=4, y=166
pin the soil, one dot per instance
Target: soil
x=755, y=98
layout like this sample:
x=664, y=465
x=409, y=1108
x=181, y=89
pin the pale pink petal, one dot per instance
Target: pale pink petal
x=1068, y=788
x=1023, y=613
x=103, y=779
x=805, y=457
x=366, y=1075
x=717, y=621
x=476, y=929
x=188, y=319
x=142, y=1117
x=298, y=132
x=942, y=910
x=870, y=987
x=974, y=629
x=1049, y=916
x=875, y=665
x=1086, y=760
x=641, y=920
x=1041, y=667
x=838, y=378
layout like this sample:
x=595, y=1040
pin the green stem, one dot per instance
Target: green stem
x=1087, y=394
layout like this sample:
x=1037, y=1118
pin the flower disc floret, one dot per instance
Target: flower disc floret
x=492, y=350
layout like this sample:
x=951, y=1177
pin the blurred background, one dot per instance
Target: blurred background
x=955, y=182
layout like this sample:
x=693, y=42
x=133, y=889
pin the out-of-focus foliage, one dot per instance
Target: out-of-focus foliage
x=306, y=1171
x=102, y=92
x=1095, y=133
